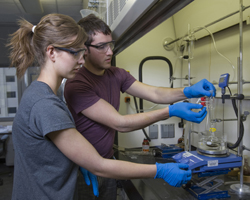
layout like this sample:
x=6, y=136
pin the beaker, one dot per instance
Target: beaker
x=211, y=140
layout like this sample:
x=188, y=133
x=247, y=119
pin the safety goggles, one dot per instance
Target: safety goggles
x=77, y=54
x=103, y=48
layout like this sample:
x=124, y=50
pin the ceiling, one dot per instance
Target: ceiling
x=136, y=26
x=11, y=10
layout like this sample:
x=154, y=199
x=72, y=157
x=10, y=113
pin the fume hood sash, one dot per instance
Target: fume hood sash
x=134, y=26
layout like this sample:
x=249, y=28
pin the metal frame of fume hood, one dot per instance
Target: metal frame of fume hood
x=161, y=11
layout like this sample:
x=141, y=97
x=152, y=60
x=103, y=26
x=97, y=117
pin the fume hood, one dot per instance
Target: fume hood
x=129, y=20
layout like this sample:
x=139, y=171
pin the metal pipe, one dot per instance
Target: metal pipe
x=240, y=78
x=239, y=115
x=221, y=120
x=245, y=148
x=212, y=23
x=189, y=73
x=189, y=136
x=226, y=120
x=233, y=82
x=191, y=125
x=107, y=14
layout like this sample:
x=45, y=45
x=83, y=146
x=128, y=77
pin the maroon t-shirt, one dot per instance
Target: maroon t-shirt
x=84, y=91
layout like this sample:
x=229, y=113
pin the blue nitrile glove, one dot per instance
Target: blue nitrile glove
x=88, y=176
x=200, y=89
x=184, y=111
x=173, y=174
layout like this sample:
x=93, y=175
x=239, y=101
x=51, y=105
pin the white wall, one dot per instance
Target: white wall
x=203, y=12
x=207, y=63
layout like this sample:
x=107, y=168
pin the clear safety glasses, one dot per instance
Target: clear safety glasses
x=77, y=54
x=103, y=48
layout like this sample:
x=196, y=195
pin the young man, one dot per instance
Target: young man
x=93, y=97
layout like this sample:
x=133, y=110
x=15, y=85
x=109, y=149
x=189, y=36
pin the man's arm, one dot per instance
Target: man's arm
x=170, y=95
x=104, y=113
x=161, y=95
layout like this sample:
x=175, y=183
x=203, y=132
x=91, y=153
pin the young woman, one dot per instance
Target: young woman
x=48, y=148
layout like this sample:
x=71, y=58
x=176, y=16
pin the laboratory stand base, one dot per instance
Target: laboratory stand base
x=240, y=189
x=198, y=192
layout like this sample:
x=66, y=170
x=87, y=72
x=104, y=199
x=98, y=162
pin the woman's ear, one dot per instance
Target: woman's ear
x=51, y=53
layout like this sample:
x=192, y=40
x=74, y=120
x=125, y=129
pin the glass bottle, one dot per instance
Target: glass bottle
x=145, y=145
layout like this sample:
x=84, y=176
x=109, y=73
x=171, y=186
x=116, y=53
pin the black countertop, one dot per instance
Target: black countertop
x=153, y=189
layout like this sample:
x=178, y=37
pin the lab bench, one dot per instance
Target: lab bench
x=154, y=189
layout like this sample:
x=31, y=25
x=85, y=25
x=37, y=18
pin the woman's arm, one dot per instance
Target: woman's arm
x=79, y=150
x=73, y=145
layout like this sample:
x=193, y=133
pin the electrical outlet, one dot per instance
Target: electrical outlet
x=127, y=99
x=167, y=130
x=153, y=131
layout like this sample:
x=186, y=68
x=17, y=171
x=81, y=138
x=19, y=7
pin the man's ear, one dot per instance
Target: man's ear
x=86, y=53
x=51, y=53
x=87, y=50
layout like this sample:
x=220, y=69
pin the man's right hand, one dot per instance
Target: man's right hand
x=184, y=111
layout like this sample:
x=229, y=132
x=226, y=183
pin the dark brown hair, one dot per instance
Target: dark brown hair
x=27, y=46
x=92, y=25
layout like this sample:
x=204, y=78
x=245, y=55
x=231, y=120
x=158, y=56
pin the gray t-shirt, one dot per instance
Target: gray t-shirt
x=41, y=170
